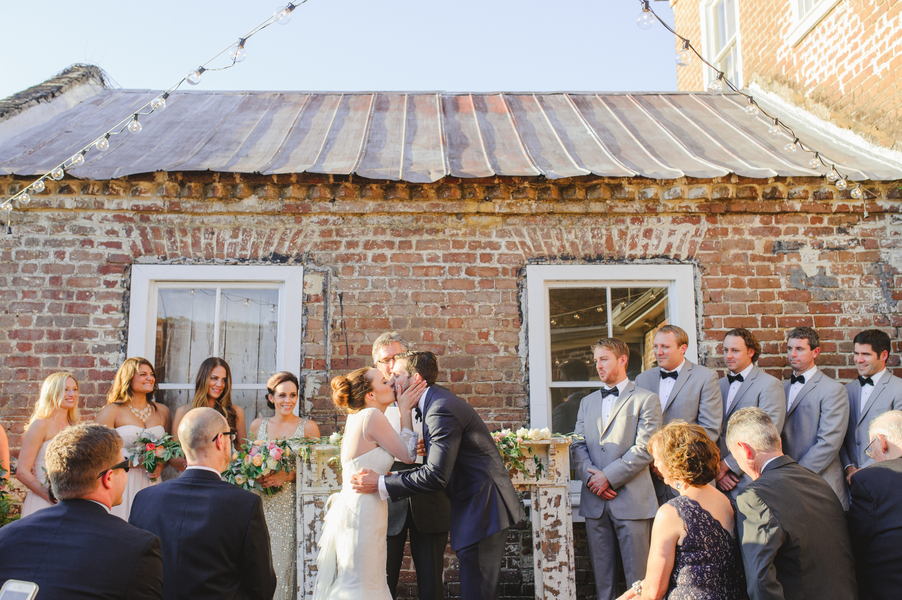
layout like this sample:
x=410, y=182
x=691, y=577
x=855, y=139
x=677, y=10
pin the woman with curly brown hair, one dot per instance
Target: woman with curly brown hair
x=694, y=552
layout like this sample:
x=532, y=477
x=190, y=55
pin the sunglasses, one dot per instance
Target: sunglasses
x=124, y=465
x=231, y=433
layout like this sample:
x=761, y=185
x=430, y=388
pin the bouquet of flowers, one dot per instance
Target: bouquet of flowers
x=257, y=459
x=150, y=450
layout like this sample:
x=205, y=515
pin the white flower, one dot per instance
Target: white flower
x=239, y=479
x=505, y=432
x=523, y=433
x=534, y=434
x=335, y=439
x=271, y=464
x=266, y=471
x=544, y=434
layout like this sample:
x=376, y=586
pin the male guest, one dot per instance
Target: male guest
x=817, y=413
x=563, y=417
x=791, y=526
x=462, y=459
x=425, y=517
x=215, y=540
x=875, y=392
x=77, y=549
x=611, y=457
x=687, y=391
x=745, y=385
x=875, y=517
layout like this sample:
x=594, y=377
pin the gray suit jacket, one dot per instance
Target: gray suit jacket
x=815, y=427
x=620, y=450
x=758, y=389
x=887, y=395
x=793, y=536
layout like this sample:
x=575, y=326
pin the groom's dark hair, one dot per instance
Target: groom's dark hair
x=423, y=363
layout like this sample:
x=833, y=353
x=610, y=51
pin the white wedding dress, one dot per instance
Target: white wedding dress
x=352, y=556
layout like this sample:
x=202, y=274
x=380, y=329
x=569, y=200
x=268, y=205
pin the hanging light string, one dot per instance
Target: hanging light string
x=237, y=54
x=684, y=57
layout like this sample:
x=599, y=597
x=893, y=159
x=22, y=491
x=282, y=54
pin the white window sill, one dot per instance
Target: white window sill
x=804, y=27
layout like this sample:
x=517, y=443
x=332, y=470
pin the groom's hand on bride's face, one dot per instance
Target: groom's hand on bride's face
x=365, y=482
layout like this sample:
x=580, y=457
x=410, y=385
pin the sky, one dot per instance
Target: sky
x=345, y=45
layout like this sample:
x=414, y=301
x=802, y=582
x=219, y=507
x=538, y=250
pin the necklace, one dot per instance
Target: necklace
x=142, y=414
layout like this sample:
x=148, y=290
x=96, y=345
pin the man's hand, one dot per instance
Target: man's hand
x=421, y=447
x=851, y=470
x=365, y=482
x=598, y=483
x=726, y=479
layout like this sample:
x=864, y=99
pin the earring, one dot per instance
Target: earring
x=678, y=485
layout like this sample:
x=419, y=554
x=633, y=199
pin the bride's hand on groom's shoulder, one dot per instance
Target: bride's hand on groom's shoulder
x=365, y=482
x=411, y=396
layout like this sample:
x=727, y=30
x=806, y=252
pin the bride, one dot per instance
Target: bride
x=351, y=561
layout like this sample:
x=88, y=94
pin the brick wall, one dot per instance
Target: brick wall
x=444, y=263
x=847, y=70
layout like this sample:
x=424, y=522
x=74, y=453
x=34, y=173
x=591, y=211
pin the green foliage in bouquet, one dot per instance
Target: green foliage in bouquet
x=150, y=450
x=258, y=458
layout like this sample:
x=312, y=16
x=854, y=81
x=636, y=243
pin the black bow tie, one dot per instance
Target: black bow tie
x=793, y=380
x=611, y=392
x=865, y=381
x=418, y=413
x=734, y=378
x=669, y=375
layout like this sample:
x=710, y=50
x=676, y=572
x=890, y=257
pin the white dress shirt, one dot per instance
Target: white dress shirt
x=105, y=507
x=665, y=387
x=383, y=491
x=203, y=468
x=867, y=390
x=734, y=387
x=795, y=388
x=607, y=403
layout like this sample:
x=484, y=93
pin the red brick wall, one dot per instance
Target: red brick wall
x=846, y=70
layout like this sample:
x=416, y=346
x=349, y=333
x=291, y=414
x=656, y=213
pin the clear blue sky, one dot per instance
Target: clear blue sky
x=345, y=45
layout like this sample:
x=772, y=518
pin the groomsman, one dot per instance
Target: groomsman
x=610, y=455
x=817, y=413
x=875, y=392
x=687, y=391
x=745, y=385
x=425, y=517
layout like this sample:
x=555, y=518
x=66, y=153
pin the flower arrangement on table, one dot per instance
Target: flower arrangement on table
x=512, y=451
x=305, y=449
x=151, y=451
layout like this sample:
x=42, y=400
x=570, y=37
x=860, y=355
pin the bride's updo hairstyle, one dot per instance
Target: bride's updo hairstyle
x=349, y=391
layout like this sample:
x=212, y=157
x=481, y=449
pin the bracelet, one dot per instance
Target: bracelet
x=637, y=587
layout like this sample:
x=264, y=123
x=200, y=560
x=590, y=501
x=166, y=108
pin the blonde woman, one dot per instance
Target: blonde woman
x=130, y=409
x=56, y=409
x=212, y=389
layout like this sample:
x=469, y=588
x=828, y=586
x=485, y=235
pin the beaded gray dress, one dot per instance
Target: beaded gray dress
x=279, y=511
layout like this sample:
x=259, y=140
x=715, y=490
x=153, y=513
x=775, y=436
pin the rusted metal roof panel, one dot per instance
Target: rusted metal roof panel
x=423, y=137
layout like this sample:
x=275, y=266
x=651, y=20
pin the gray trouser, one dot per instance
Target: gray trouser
x=610, y=537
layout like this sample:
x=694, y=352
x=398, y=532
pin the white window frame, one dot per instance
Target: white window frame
x=288, y=279
x=678, y=279
x=802, y=25
x=709, y=41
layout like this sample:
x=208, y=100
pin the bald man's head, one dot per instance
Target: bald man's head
x=197, y=433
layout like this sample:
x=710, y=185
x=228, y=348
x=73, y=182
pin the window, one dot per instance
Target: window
x=806, y=14
x=249, y=316
x=720, y=24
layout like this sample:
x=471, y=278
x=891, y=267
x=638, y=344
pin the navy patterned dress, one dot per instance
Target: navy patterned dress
x=708, y=565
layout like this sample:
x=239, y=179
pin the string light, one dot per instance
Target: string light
x=239, y=54
x=684, y=56
x=38, y=186
x=646, y=17
x=716, y=85
x=774, y=129
x=833, y=175
x=284, y=15
x=103, y=144
x=752, y=109
x=24, y=198
x=77, y=160
x=57, y=173
x=791, y=147
x=194, y=77
x=815, y=162
x=158, y=104
x=134, y=127
x=857, y=193
x=842, y=183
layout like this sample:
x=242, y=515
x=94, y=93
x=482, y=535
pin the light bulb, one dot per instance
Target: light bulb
x=283, y=16
x=38, y=186
x=716, y=86
x=103, y=144
x=774, y=130
x=842, y=184
x=645, y=20
x=7, y=206
x=857, y=193
x=238, y=53
x=790, y=148
x=194, y=76
x=57, y=173
x=24, y=199
x=752, y=109
x=77, y=160
x=159, y=103
x=134, y=127
x=815, y=163
x=684, y=56
x=832, y=175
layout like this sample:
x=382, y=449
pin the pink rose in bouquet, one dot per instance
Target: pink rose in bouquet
x=150, y=451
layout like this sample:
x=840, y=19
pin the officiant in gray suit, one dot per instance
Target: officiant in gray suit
x=687, y=391
x=817, y=413
x=874, y=392
x=745, y=385
x=610, y=455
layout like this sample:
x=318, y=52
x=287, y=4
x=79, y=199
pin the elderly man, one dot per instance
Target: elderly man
x=77, y=549
x=875, y=517
x=215, y=540
x=792, y=528
x=426, y=518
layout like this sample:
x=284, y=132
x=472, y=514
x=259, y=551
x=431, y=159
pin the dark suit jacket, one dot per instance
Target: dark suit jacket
x=431, y=512
x=463, y=460
x=875, y=526
x=76, y=550
x=793, y=534
x=214, y=536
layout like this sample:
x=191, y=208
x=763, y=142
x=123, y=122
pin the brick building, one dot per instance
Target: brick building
x=503, y=232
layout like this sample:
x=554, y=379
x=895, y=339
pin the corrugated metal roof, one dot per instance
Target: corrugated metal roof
x=422, y=137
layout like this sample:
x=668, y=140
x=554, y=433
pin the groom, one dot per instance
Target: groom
x=463, y=460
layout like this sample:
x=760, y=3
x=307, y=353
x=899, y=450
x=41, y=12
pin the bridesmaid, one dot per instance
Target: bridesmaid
x=279, y=510
x=56, y=409
x=4, y=459
x=213, y=389
x=130, y=409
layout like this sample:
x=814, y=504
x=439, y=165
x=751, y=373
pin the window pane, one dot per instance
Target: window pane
x=730, y=18
x=253, y=402
x=635, y=314
x=248, y=333
x=579, y=318
x=184, y=336
x=565, y=406
x=805, y=7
